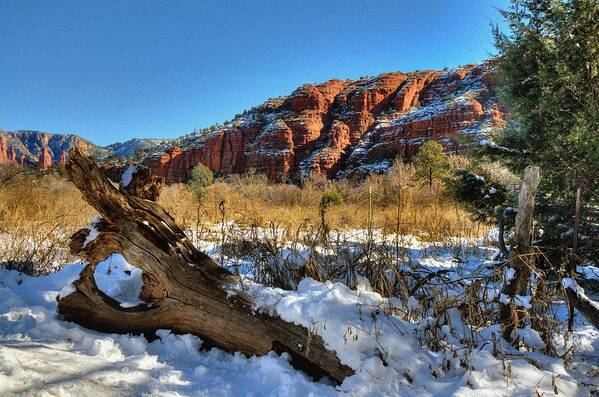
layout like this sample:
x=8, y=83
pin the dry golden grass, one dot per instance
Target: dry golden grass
x=39, y=212
x=395, y=199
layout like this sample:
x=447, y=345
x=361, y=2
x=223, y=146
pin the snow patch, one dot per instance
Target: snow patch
x=93, y=232
x=128, y=175
x=519, y=300
x=118, y=279
x=589, y=271
x=573, y=285
x=43, y=355
x=509, y=274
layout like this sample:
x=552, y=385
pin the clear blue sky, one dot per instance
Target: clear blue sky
x=114, y=70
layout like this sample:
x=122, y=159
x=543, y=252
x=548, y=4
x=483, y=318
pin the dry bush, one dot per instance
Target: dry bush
x=285, y=233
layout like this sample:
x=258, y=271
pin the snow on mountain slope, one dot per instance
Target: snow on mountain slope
x=129, y=148
x=337, y=128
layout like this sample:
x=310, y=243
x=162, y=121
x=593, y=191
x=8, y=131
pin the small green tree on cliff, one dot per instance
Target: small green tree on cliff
x=430, y=162
x=201, y=178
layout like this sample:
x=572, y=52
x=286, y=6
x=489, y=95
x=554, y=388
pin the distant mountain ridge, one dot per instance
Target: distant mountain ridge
x=130, y=147
x=30, y=147
x=33, y=147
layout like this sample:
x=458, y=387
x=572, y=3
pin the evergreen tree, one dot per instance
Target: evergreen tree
x=549, y=69
x=201, y=178
x=430, y=162
x=487, y=200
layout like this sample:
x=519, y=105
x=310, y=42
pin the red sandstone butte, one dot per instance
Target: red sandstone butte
x=344, y=127
x=45, y=159
x=3, y=152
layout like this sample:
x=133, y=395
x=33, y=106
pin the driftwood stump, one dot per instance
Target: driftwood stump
x=184, y=290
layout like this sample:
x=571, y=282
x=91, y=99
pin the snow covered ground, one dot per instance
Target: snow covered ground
x=41, y=355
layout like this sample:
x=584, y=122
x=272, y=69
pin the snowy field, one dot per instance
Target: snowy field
x=41, y=355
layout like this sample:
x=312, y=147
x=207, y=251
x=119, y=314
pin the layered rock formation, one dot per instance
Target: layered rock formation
x=343, y=128
x=12, y=155
x=45, y=149
x=8, y=155
x=45, y=158
x=63, y=157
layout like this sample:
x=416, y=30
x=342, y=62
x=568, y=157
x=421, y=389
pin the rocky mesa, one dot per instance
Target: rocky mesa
x=345, y=127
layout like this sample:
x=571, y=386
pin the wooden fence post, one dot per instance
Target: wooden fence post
x=512, y=301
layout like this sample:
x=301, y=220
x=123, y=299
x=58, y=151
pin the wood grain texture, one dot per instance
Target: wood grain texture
x=520, y=257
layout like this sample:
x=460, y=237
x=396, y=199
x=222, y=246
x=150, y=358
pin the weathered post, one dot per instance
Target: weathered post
x=514, y=299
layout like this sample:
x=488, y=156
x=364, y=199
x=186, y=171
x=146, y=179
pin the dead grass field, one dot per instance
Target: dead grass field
x=38, y=212
x=393, y=202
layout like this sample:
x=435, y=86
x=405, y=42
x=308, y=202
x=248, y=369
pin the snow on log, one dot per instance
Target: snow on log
x=183, y=289
x=586, y=306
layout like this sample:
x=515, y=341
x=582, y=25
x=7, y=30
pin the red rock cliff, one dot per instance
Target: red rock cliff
x=27, y=147
x=343, y=127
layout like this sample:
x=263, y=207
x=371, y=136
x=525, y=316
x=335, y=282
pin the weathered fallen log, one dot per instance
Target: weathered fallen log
x=578, y=299
x=183, y=289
